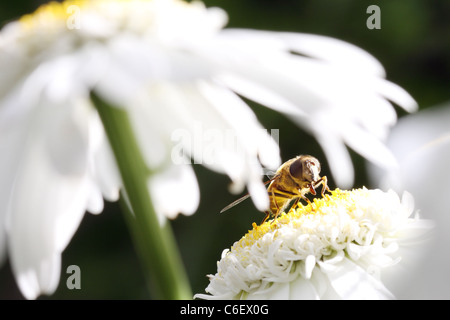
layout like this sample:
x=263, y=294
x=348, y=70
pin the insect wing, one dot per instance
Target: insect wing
x=236, y=202
x=231, y=205
x=269, y=174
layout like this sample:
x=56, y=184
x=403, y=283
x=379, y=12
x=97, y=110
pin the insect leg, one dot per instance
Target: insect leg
x=305, y=198
x=295, y=203
x=265, y=217
x=324, y=182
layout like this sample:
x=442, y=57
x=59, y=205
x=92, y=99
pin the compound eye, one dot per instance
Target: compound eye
x=296, y=169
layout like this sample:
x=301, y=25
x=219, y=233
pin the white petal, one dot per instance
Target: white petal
x=295, y=85
x=106, y=171
x=44, y=279
x=421, y=143
x=67, y=137
x=369, y=146
x=302, y=289
x=278, y=291
x=94, y=203
x=102, y=163
x=329, y=49
x=50, y=194
x=174, y=190
x=310, y=263
x=259, y=92
x=228, y=138
x=352, y=282
x=125, y=74
x=11, y=143
x=46, y=209
x=259, y=195
x=334, y=51
x=276, y=83
x=396, y=94
x=3, y=246
x=338, y=158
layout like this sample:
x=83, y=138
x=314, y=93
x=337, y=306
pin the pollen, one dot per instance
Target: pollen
x=345, y=232
x=298, y=216
x=52, y=12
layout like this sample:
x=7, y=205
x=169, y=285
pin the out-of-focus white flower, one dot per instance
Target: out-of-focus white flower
x=421, y=144
x=339, y=247
x=173, y=68
x=336, y=91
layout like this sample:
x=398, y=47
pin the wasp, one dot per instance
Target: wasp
x=292, y=181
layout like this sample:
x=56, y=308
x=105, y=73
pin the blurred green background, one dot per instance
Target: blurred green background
x=413, y=44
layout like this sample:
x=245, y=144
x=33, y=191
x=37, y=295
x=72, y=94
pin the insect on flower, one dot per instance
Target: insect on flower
x=292, y=181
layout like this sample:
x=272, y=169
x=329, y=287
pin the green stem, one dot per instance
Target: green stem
x=155, y=245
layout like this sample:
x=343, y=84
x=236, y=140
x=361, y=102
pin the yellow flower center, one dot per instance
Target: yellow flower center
x=57, y=16
x=298, y=216
x=52, y=12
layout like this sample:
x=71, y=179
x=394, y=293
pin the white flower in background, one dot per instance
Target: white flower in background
x=336, y=91
x=171, y=66
x=337, y=248
x=421, y=144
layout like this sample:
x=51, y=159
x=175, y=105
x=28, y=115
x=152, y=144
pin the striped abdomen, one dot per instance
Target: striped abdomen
x=279, y=199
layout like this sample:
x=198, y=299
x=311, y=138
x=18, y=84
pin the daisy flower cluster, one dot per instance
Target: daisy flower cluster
x=337, y=247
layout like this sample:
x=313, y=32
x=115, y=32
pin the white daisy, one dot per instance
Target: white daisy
x=170, y=66
x=421, y=144
x=336, y=248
